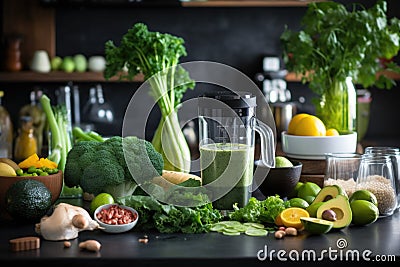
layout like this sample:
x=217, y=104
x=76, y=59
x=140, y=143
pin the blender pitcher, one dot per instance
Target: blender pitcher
x=227, y=125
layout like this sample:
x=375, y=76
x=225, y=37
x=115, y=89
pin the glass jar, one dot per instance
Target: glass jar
x=25, y=143
x=6, y=131
x=342, y=169
x=394, y=153
x=376, y=175
x=337, y=106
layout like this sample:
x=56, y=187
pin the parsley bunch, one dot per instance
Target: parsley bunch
x=336, y=42
x=156, y=55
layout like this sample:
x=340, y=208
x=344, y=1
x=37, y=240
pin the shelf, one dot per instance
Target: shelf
x=59, y=76
x=292, y=77
x=248, y=3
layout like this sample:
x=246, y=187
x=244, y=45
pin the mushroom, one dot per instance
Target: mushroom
x=65, y=223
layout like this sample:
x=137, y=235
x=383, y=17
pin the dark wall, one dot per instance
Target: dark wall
x=238, y=37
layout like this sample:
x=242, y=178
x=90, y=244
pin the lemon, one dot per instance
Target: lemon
x=332, y=132
x=363, y=212
x=363, y=194
x=6, y=170
x=298, y=202
x=294, y=122
x=310, y=126
x=291, y=217
x=99, y=200
x=316, y=226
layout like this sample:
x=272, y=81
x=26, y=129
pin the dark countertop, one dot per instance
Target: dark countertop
x=381, y=238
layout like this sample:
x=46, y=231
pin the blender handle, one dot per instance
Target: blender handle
x=267, y=144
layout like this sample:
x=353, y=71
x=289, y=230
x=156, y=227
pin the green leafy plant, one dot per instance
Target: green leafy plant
x=338, y=47
x=336, y=42
x=156, y=55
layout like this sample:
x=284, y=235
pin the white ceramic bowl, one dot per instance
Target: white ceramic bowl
x=116, y=228
x=315, y=147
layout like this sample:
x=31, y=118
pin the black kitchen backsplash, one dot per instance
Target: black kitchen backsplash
x=236, y=36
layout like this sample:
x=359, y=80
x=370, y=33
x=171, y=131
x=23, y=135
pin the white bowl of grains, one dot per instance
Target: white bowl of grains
x=114, y=218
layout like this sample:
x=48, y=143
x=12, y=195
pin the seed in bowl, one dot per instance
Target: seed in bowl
x=116, y=215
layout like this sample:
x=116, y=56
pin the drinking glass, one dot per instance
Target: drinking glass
x=394, y=153
x=376, y=175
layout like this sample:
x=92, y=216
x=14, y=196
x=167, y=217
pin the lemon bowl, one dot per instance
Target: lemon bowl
x=316, y=147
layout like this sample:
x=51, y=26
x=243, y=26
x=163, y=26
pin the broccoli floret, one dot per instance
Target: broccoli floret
x=143, y=161
x=114, y=166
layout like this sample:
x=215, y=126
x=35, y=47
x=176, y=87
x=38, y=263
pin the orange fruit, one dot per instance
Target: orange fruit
x=294, y=122
x=291, y=217
x=310, y=126
x=278, y=220
x=332, y=132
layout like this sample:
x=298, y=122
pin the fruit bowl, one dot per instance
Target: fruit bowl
x=114, y=218
x=281, y=180
x=316, y=147
x=54, y=182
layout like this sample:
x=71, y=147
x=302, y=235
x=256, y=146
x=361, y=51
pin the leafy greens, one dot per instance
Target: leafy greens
x=156, y=55
x=335, y=43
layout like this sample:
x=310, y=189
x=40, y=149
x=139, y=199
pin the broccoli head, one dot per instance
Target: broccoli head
x=114, y=166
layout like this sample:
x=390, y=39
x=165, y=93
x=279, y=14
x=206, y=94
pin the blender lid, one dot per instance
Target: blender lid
x=233, y=100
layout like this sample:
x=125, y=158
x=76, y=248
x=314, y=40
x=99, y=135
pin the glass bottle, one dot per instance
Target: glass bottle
x=25, y=143
x=12, y=54
x=6, y=131
x=35, y=111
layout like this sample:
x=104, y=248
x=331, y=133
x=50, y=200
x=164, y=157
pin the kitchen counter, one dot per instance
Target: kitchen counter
x=378, y=241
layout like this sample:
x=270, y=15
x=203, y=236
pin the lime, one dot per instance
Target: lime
x=295, y=190
x=308, y=189
x=316, y=226
x=298, y=202
x=313, y=207
x=256, y=232
x=99, y=200
x=254, y=225
x=364, y=212
x=282, y=162
x=364, y=194
x=309, y=199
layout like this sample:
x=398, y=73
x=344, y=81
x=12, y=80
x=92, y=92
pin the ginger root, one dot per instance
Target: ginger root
x=65, y=223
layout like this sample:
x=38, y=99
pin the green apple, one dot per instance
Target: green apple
x=81, y=63
x=68, y=64
x=56, y=63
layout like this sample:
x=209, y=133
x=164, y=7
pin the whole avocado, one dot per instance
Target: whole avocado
x=28, y=200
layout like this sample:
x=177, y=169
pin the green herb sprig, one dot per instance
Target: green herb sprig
x=336, y=42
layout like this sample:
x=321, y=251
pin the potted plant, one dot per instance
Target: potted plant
x=338, y=46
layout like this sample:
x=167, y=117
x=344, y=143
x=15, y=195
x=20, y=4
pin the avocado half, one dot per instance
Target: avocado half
x=329, y=192
x=341, y=206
